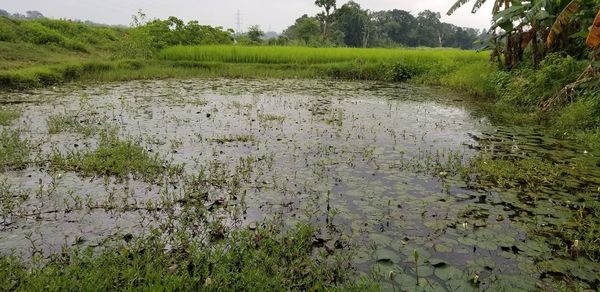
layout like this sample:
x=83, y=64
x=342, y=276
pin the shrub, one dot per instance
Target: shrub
x=36, y=33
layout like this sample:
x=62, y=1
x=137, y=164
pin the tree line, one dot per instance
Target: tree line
x=352, y=26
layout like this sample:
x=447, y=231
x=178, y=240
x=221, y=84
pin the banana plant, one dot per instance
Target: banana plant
x=593, y=39
x=562, y=20
x=526, y=21
x=476, y=6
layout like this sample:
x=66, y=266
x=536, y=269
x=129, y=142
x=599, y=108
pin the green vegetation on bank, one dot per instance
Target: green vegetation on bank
x=249, y=260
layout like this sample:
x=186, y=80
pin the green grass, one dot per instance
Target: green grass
x=70, y=35
x=431, y=66
x=7, y=116
x=264, y=259
x=71, y=122
x=305, y=55
x=14, y=151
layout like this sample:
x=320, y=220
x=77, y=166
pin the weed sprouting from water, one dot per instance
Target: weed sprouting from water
x=71, y=122
x=233, y=138
x=10, y=199
x=271, y=118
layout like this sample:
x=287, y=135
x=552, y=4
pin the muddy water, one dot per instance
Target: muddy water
x=350, y=157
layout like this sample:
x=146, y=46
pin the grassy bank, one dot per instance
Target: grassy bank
x=429, y=66
x=263, y=259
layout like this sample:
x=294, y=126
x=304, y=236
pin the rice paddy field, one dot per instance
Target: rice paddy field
x=306, y=55
x=455, y=69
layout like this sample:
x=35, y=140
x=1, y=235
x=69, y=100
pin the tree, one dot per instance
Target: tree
x=430, y=31
x=4, y=13
x=352, y=21
x=404, y=30
x=305, y=29
x=327, y=6
x=255, y=34
x=497, y=40
x=33, y=14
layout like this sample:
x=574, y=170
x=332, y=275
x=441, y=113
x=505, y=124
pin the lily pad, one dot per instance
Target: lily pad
x=442, y=248
x=438, y=263
x=380, y=239
x=448, y=272
x=386, y=256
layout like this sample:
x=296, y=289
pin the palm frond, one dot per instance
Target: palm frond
x=478, y=4
x=456, y=5
x=496, y=8
x=562, y=20
x=593, y=39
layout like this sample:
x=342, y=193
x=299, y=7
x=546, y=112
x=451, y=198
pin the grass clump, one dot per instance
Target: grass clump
x=115, y=157
x=7, y=116
x=528, y=172
x=69, y=123
x=14, y=151
x=264, y=259
x=271, y=118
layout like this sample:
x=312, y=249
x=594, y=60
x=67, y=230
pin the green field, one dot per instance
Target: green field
x=303, y=55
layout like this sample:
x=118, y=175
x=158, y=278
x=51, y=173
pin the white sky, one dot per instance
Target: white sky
x=269, y=14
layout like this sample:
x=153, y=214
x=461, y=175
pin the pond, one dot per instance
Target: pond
x=382, y=168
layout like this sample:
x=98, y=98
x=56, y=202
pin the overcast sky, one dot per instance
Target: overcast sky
x=269, y=14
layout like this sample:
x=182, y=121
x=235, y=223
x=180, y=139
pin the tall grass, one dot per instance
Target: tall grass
x=430, y=66
x=305, y=55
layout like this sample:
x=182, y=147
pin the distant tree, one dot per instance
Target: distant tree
x=305, y=29
x=255, y=34
x=280, y=40
x=33, y=14
x=327, y=6
x=4, y=13
x=397, y=26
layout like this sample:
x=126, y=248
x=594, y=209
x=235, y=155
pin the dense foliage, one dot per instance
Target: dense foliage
x=149, y=36
x=264, y=259
x=66, y=34
x=529, y=30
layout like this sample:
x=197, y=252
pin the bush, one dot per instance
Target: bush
x=7, y=30
x=527, y=87
x=36, y=33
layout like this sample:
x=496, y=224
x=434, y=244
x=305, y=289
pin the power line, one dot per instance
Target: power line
x=238, y=18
